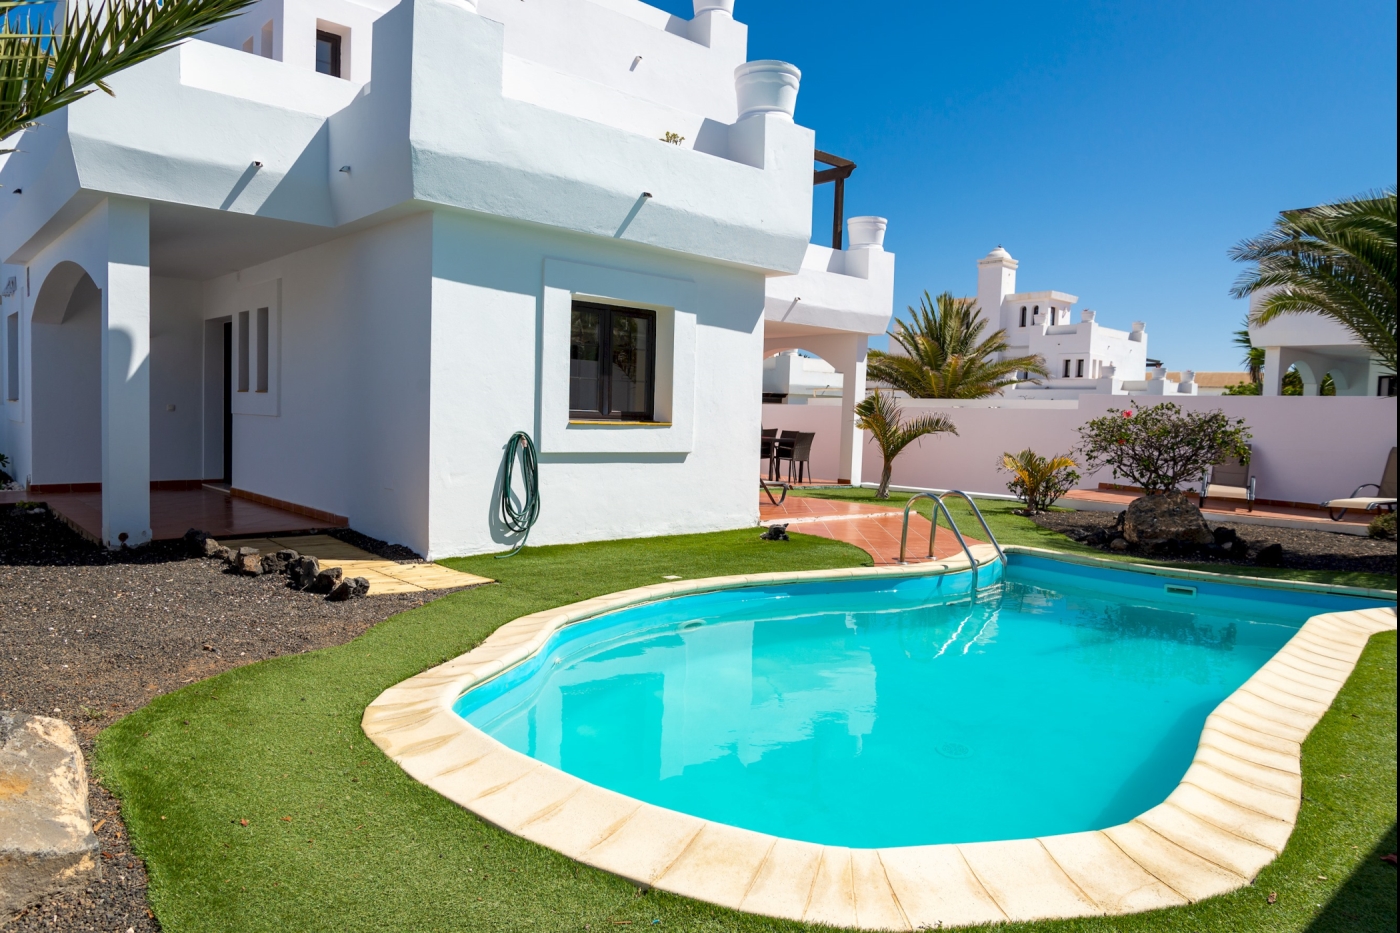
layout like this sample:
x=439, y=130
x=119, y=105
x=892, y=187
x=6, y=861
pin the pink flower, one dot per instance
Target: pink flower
x=1127, y=414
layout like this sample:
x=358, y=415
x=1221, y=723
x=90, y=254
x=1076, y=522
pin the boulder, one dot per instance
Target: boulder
x=277, y=563
x=1166, y=520
x=287, y=555
x=1270, y=556
x=326, y=580
x=1223, y=536
x=1119, y=544
x=46, y=840
x=250, y=565
x=302, y=572
x=349, y=588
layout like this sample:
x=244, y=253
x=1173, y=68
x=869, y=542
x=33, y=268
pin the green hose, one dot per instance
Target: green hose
x=520, y=518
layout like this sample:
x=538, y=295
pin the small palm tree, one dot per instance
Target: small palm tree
x=1038, y=481
x=1337, y=260
x=945, y=355
x=47, y=65
x=1253, y=360
x=884, y=419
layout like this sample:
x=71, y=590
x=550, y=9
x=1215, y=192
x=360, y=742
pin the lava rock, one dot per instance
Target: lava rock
x=326, y=580
x=287, y=555
x=775, y=533
x=1223, y=535
x=47, y=844
x=250, y=565
x=197, y=543
x=350, y=588
x=1169, y=519
x=272, y=563
x=302, y=572
x=1119, y=544
x=1238, y=549
x=1270, y=556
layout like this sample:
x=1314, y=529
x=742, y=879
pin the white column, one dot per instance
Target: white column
x=126, y=376
x=852, y=367
x=1273, y=371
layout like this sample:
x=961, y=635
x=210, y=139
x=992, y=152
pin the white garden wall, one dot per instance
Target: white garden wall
x=1305, y=449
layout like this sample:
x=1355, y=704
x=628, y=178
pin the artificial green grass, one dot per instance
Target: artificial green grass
x=1011, y=528
x=339, y=838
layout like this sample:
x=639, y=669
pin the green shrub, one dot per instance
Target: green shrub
x=1038, y=481
x=1382, y=526
x=1161, y=448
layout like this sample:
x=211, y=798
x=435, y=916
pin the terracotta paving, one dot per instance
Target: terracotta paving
x=1227, y=509
x=874, y=529
x=173, y=512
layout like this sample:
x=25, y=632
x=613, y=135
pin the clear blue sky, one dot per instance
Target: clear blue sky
x=1116, y=149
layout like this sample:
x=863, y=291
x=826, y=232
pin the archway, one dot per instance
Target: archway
x=66, y=378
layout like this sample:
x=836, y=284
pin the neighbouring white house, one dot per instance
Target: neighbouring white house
x=336, y=252
x=1317, y=347
x=790, y=378
x=1083, y=356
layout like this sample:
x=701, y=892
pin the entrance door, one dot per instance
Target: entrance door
x=228, y=403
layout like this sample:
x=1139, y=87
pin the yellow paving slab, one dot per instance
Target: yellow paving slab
x=384, y=576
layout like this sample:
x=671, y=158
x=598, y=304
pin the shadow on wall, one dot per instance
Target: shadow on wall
x=66, y=367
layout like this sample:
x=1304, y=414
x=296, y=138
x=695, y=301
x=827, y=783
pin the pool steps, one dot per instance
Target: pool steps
x=1231, y=815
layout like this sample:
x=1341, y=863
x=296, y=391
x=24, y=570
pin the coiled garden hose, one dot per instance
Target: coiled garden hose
x=522, y=517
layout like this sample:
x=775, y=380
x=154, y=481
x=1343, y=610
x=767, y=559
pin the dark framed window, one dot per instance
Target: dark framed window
x=1079, y=369
x=1023, y=315
x=612, y=363
x=328, y=53
x=1066, y=369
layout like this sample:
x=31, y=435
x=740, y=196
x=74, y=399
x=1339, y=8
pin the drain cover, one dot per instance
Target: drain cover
x=954, y=750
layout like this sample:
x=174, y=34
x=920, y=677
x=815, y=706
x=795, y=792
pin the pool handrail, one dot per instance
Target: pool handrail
x=975, y=511
x=937, y=504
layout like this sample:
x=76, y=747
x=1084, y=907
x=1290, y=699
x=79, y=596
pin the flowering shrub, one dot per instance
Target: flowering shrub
x=1038, y=481
x=1161, y=447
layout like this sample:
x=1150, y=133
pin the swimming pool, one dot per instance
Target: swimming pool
x=898, y=711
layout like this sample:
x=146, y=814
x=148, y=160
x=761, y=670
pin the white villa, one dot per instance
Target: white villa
x=335, y=253
x=1317, y=347
x=1084, y=357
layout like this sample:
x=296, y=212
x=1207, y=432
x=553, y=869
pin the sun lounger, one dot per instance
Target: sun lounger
x=1229, y=480
x=1383, y=499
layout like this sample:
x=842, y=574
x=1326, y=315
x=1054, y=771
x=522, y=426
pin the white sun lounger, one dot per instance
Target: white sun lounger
x=1384, y=498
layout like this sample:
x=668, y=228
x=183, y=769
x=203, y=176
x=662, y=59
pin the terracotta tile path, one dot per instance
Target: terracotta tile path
x=173, y=512
x=1229, y=509
x=874, y=529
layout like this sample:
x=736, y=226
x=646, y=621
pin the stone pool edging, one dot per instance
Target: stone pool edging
x=1231, y=815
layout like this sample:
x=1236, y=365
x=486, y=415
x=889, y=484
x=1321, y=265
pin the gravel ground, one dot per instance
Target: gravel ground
x=88, y=635
x=1302, y=549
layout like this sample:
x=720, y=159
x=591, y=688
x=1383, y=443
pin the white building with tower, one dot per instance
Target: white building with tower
x=1082, y=355
x=331, y=255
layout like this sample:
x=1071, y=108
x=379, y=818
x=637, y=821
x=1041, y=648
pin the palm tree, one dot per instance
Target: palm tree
x=1337, y=260
x=884, y=419
x=1253, y=360
x=47, y=65
x=945, y=355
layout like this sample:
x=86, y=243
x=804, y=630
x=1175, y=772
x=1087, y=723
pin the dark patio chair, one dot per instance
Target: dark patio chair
x=782, y=450
x=798, y=455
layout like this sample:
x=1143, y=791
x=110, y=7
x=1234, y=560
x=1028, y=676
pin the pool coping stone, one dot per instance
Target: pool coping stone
x=1231, y=814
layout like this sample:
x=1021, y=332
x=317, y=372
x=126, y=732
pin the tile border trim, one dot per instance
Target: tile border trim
x=1231, y=815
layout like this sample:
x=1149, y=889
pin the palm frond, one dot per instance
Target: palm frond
x=946, y=356
x=47, y=65
x=1337, y=260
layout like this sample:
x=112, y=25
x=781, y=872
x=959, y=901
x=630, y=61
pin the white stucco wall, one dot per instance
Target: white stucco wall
x=1305, y=449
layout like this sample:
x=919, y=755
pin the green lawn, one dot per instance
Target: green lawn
x=339, y=839
x=1010, y=528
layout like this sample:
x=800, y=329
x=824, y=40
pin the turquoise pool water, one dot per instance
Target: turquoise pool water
x=888, y=712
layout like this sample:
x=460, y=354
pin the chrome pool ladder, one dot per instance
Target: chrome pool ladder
x=938, y=503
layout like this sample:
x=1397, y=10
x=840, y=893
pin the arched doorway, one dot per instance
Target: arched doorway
x=66, y=379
